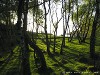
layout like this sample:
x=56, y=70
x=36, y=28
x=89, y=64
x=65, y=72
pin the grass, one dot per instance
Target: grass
x=11, y=67
x=75, y=60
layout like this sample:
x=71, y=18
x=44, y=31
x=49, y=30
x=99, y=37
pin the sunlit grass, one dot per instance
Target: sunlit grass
x=75, y=58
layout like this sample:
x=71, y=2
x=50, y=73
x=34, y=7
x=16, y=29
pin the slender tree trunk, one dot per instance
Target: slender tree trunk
x=50, y=20
x=55, y=30
x=86, y=29
x=36, y=17
x=19, y=14
x=54, y=42
x=45, y=28
x=66, y=22
x=78, y=32
x=95, y=22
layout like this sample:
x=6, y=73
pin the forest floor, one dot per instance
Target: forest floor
x=75, y=60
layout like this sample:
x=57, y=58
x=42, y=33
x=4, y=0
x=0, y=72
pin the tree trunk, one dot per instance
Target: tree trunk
x=86, y=29
x=65, y=28
x=25, y=50
x=45, y=28
x=25, y=69
x=54, y=42
x=92, y=38
x=19, y=14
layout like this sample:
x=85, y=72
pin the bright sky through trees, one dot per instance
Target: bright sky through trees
x=54, y=8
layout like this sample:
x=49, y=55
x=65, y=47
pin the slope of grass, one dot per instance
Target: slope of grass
x=75, y=59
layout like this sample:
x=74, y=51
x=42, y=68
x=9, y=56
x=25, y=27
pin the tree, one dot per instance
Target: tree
x=66, y=23
x=82, y=20
x=95, y=23
x=7, y=10
x=45, y=29
x=25, y=50
x=55, y=34
x=23, y=6
x=25, y=40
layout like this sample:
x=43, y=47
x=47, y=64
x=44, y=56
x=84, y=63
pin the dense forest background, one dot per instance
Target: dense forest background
x=75, y=52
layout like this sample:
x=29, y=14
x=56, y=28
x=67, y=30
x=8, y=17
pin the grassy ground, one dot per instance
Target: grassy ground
x=75, y=60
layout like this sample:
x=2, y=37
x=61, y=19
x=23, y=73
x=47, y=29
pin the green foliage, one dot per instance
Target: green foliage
x=56, y=1
x=7, y=10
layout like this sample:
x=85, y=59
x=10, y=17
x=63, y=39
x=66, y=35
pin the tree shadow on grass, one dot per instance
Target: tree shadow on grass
x=72, y=53
x=10, y=67
x=48, y=71
x=84, y=58
x=66, y=69
x=5, y=62
x=77, y=55
x=43, y=41
x=60, y=63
